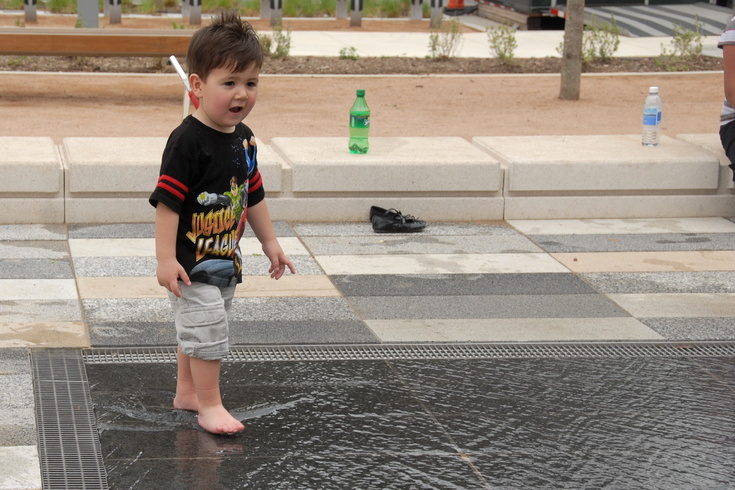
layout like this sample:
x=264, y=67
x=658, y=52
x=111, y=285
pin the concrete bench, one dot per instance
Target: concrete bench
x=609, y=176
x=434, y=178
x=32, y=183
x=110, y=179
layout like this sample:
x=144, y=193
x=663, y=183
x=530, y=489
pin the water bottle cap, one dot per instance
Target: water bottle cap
x=360, y=93
x=653, y=90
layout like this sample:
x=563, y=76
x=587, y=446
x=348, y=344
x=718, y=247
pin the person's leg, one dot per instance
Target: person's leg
x=186, y=396
x=213, y=416
x=202, y=330
x=727, y=137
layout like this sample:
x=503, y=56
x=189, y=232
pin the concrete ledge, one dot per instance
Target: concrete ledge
x=604, y=176
x=98, y=180
x=406, y=165
x=434, y=178
x=32, y=183
x=711, y=142
x=110, y=179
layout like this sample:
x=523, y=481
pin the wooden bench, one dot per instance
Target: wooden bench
x=98, y=42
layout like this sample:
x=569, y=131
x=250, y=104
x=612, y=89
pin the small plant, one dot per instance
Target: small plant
x=445, y=41
x=686, y=47
x=503, y=42
x=18, y=62
x=349, y=53
x=19, y=22
x=79, y=23
x=600, y=40
x=177, y=25
x=277, y=46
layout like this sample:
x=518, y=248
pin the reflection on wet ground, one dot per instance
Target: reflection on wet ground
x=495, y=423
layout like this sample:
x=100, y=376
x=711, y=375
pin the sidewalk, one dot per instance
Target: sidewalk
x=575, y=281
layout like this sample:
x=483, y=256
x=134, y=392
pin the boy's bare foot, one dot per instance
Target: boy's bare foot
x=218, y=420
x=186, y=402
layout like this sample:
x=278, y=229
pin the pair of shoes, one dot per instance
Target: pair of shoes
x=393, y=221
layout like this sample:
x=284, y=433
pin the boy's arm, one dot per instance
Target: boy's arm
x=169, y=270
x=260, y=221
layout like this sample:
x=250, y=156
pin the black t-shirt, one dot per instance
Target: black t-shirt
x=209, y=178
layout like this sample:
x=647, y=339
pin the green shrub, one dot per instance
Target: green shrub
x=349, y=53
x=445, y=41
x=503, y=42
x=686, y=46
x=277, y=46
x=600, y=40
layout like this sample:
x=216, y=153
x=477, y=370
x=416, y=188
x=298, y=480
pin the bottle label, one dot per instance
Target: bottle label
x=359, y=122
x=651, y=117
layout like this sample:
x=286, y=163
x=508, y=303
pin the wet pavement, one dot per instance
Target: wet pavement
x=530, y=419
x=511, y=423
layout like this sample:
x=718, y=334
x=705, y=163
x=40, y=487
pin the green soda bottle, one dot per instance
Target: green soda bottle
x=359, y=124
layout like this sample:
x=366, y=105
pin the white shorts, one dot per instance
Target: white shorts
x=200, y=315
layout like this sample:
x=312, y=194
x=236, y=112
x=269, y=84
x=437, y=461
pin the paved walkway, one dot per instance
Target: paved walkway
x=521, y=281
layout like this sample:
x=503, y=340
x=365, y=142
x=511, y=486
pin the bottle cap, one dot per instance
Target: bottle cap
x=653, y=90
x=360, y=93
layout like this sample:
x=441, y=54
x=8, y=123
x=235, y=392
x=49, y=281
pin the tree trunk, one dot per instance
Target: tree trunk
x=571, y=66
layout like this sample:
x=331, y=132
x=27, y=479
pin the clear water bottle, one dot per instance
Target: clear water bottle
x=652, y=118
x=359, y=124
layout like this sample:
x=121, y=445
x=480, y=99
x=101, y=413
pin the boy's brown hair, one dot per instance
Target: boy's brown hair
x=228, y=42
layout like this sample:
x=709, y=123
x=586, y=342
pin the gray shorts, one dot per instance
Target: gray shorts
x=201, y=321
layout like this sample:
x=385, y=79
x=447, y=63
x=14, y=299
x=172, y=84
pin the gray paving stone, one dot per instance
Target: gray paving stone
x=693, y=328
x=662, y=282
x=257, y=265
x=135, y=333
x=419, y=244
x=33, y=232
x=433, y=229
x=35, y=269
x=477, y=307
x=40, y=311
x=282, y=229
x=460, y=284
x=17, y=391
x=144, y=310
x=301, y=332
x=18, y=427
x=34, y=250
x=114, y=230
x=290, y=310
x=115, y=266
x=14, y=361
x=635, y=242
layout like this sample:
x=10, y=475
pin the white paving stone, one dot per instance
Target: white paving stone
x=671, y=305
x=512, y=330
x=622, y=226
x=37, y=289
x=439, y=264
x=19, y=468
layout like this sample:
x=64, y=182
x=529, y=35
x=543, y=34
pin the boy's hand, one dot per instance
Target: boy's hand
x=279, y=261
x=168, y=273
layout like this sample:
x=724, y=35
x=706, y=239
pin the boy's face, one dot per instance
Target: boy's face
x=226, y=97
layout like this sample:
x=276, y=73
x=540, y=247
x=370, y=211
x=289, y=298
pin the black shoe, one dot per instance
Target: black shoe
x=393, y=221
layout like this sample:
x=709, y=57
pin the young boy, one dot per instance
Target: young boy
x=209, y=182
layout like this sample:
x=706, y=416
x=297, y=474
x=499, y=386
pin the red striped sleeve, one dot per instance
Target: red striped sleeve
x=173, y=186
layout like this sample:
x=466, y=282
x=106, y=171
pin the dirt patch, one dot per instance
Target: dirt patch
x=306, y=100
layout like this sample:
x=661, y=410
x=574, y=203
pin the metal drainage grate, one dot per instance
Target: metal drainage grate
x=426, y=351
x=69, y=446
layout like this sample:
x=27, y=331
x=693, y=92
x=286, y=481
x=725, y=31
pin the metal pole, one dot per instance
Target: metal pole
x=356, y=18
